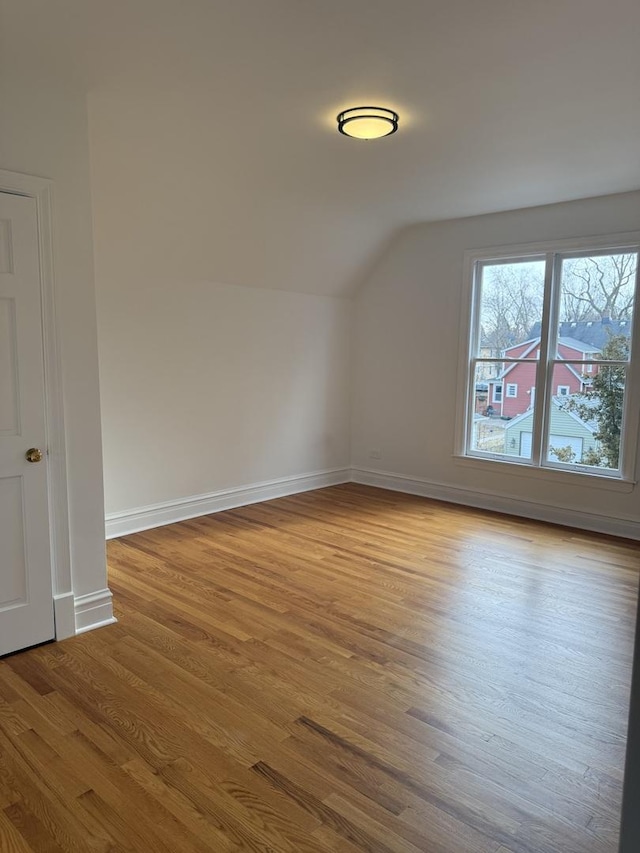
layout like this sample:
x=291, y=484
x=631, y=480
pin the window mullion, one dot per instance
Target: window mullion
x=629, y=436
x=547, y=350
x=474, y=346
x=471, y=392
x=474, y=343
x=624, y=439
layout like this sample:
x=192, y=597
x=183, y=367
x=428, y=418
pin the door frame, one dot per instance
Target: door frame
x=41, y=189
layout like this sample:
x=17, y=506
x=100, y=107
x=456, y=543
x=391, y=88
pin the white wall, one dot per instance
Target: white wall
x=43, y=132
x=407, y=323
x=210, y=387
x=209, y=382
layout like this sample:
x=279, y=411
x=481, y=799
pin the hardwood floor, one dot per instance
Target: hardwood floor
x=345, y=670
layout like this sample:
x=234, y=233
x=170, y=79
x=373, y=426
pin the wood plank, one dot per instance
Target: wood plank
x=344, y=670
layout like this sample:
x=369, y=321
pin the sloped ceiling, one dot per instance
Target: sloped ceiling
x=212, y=122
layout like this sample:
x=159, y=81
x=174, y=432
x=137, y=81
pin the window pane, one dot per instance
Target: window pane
x=502, y=407
x=586, y=415
x=511, y=297
x=596, y=306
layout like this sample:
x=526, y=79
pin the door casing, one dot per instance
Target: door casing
x=41, y=189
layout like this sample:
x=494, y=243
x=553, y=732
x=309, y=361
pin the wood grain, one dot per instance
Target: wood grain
x=345, y=670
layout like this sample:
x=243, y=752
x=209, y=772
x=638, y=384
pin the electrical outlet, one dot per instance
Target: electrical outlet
x=375, y=454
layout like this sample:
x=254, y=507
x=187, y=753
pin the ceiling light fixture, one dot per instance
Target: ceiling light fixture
x=367, y=122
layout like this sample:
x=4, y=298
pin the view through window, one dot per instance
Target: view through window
x=550, y=359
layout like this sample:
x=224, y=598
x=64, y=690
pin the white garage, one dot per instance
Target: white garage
x=555, y=441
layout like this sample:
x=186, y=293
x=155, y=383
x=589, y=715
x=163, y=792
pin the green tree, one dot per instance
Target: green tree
x=603, y=402
x=564, y=454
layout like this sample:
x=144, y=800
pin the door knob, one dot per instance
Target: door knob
x=33, y=455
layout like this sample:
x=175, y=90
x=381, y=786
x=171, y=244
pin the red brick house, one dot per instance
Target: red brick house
x=511, y=392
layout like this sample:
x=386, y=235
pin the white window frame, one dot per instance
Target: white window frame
x=540, y=466
x=563, y=390
x=509, y=386
x=494, y=394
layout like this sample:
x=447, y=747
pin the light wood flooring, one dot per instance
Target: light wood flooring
x=345, y=670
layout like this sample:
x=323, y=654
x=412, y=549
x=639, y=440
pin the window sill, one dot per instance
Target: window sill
x=581, y=479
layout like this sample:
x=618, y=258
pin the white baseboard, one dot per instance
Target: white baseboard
x=156, y=515
x=64, y=615
x=169, y=512
x=93, y=611
x=596, y=523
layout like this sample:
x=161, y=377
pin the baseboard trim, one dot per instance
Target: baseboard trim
x=64, y=615
x=169, y=512
x=156, y=515
x=93, y=611
x=593, y=522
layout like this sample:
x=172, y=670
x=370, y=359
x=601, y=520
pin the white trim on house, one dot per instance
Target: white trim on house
x=168, y=512
x=576, y=418
x=511, y=389
x=571, y=370
x=533, y=342
x=577, y=346
x=516, y=420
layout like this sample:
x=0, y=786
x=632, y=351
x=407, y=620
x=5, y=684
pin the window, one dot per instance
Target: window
x=530, y=308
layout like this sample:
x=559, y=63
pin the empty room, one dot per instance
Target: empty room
x=319, y=425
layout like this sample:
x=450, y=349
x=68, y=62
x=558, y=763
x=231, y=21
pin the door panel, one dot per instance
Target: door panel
x=26, y=599
x=5, y=246
x=525, y=444
x=13, y=589
x=9, y=409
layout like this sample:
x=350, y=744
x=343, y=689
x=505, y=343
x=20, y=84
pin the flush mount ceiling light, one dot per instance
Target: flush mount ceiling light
x=367, y=122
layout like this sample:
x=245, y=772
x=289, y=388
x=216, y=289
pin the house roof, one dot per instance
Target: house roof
x=574, y=343
x=561, y=405
x=529, y=343
x=594, y=334
x=574, y=371
x=592, y=426
x=566, y=341
x=518, y=418
x=532, y=345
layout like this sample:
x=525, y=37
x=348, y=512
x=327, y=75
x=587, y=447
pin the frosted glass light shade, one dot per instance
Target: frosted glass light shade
x=367, y=122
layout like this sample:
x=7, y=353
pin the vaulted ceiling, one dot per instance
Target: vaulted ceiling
x=212, y=122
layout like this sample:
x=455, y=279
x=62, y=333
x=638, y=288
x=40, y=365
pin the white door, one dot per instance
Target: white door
x=525, y=444
x=26, y=599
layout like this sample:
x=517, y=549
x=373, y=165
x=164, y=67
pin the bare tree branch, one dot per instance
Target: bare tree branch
x=598, y=287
